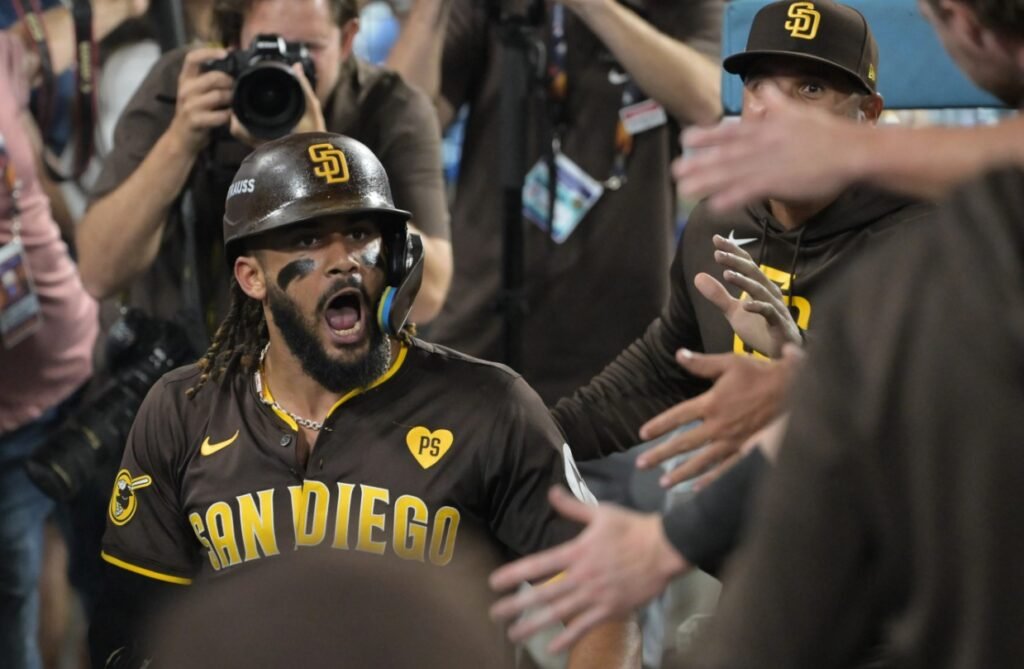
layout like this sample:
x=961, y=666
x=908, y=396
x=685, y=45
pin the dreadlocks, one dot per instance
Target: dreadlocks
x=241, y=337
x=238, y=342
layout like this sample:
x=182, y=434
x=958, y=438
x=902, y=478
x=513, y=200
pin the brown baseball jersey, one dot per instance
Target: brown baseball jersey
x=440, y=446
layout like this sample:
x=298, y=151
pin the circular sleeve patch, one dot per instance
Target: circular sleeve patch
x=123, y=503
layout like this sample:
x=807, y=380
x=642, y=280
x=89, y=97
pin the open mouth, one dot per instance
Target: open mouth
x=344, y=316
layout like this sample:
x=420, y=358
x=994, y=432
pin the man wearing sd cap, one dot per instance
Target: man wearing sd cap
x=781, y=253
x=799, y=251
x=317, y=419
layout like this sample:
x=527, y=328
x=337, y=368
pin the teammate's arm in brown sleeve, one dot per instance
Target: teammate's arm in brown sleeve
x=605, y=415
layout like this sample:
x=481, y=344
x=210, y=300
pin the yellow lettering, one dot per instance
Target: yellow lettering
x=442, y=540
x=411, y=516
x=344, y=511
x=197, y=527
x=370, y=520
x=310, y=528
x=257, y=524
x=220, y=522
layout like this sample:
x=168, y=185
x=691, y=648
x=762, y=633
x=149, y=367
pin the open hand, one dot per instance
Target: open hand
x=762, y=320
x=746, y=395
x=618, y=562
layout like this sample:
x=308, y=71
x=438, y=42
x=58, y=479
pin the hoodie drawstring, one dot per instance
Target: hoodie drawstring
x=792, y=265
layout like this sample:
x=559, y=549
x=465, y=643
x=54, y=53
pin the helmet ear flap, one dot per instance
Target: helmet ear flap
x=396, y=252
x=397, y=298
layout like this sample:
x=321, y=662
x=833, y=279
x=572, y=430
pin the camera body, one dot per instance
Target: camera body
x=268, y=98
x=140, y=350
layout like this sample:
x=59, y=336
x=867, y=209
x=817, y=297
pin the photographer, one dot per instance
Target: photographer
x=594, y=281
x=153, y=226
x=47, y=329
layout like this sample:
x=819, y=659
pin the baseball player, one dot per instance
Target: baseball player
x=317, y=419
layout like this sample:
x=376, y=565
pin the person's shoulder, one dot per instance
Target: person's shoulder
x=172, y=389
x=459, y=371
x=379, y=81
x=981, y=219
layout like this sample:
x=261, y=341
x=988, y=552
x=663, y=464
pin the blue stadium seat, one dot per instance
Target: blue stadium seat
x=914, y=71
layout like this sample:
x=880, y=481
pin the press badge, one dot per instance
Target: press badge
x=19, y=304
x=642, y=116
x=576, y=193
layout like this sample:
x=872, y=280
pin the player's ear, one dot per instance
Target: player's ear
x=251, y=277
x=870, y=108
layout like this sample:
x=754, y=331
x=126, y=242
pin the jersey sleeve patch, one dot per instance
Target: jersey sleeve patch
x=123, y=503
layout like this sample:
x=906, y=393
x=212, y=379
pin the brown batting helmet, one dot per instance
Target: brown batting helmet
x=302, y=177
x=306, y=176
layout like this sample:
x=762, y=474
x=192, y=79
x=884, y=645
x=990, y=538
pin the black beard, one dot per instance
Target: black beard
x=300, y=338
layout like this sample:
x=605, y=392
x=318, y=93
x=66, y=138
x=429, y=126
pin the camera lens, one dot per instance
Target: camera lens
x=269, y=100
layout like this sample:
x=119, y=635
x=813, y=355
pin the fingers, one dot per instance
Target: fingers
x=723, y=244
x=768, y=311
x=704, y=365
x=717, y=471
x=677, y=445
x=793, y=353
x=579, y=626
x=699, y=463
x=569, y=506
x=195, y=58
x=677, y=416
x=533, y=567
x=529, y=597
x=713, y=290
x=571, y=602
x=752, y=287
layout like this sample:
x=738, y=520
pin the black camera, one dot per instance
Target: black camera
x=140, y=350
x=268, y=98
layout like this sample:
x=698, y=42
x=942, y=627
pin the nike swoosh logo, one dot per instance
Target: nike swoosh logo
x=616, y=78
x=741, y=241
x=209, y=449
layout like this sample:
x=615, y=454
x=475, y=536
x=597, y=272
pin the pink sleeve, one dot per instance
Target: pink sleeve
x=12, y=68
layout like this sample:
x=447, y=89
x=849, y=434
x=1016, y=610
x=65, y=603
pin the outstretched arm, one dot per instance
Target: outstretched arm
x=675, y=74
x=738, y=163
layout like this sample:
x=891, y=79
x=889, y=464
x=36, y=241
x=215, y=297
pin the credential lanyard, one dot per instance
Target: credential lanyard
x=558, y=89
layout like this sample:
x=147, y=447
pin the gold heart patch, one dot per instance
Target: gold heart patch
x=428, y=447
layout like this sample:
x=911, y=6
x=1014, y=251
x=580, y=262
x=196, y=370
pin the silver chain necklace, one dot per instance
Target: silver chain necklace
x=316, y=426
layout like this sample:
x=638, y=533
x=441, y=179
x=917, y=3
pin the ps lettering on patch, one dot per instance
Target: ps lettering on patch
x=241, y=186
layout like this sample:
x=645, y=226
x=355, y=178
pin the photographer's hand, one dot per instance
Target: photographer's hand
x=312, y=121
x=204, y=100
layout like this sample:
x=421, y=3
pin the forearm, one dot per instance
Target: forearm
x=929, y=162
x=418, y=51
x=119, y=236
x=605, y=416
x=707, y=528
x=683, y=80
x=437, y=277
x=613, y=644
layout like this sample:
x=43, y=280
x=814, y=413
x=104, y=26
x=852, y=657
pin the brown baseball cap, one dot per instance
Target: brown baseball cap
x=817, y=30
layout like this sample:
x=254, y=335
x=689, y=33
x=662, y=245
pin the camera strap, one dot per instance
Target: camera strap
x=86, y=67
x=32, y=19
